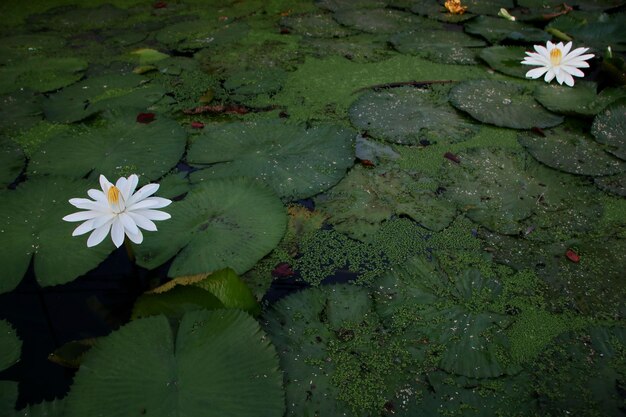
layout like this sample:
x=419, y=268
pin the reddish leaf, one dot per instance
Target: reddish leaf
x=452, y=157
x=159, y=5
x=572, y=256
x=197, y=125
x=145, y=118
x=282, y=270
x=367, y=163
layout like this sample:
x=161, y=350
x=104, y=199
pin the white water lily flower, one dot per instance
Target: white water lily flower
x=556, y=60
x=118, y=209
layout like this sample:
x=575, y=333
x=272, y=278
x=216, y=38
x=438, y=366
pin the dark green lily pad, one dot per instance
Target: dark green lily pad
x=19, y=110
x=609, y=128
x=571, y=150
x=18, y=47
x=228, y=287
x=96, y=94
x=296, y=162
x=497, y=30
x=220, y=223
x=448, y=314
x=598, y=30
x=318, y=25
x=367, y=197
x=55, y=408
x=493, y=188
x=202, y=33
x=615, y=184
x=582, y=99
x=443, y=46
x=41, y=74
x=380, y=20
x=363, y=47
x=219, y=363
x=506, y=59
x=335, y=5
x=583, y=373
x=501, y=103
x=243, y=84
x=31, y=226
x=118, y=146
x=12, y=161
x=580, y=4
x=337, y=359
x=407, y=115
x=10, y=345
x=76, y=18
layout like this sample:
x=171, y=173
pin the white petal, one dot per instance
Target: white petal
x=541, y=50
x=549, y=75
x=104, y=183
x=129, y=187
x=144, y=192
x=577, y=53
x=153, y=214
x=128, y=222
x=573, y=71
x=83, y=228
x=99, y=221
x=117, y=232
x=143, y=222
x=566, y=48
x=136, y=238
x=150, y=203
x=98, y=235
x=560, y=76
x=98, y=196
x=569, y=80
x=536, y=61
x=578, y=61
x=536, y=72
x=86, y=204
x=82, y=215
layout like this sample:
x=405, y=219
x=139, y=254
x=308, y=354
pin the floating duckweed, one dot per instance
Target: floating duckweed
x=31, y=140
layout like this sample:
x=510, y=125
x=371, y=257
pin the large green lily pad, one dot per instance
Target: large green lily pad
x=609, y=128
x=367, y=197
x=506, y=59
x=41, y=74
x=296, y=162
x=571, y=150
x=408, y=115
x=582, y=99
x=501, y=103
x=493, y=188
x=318, y=25
x=19, y=110
x=449, y=314
x=12, y=161
x=96, y=94
x=380, y=20
x=117, y=146
x=443, y=46
x=497, y=29
x=220, y=223
x=31, y=227
x=338, y=361
x=219, y=363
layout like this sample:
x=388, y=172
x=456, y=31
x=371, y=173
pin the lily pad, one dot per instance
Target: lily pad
x=615, y=184
x=10, y=345
x=380, y=20
x=501, y=103
x=55, y=408
x=609, y=128
x=220, y=223
x=598, y=30
x=118, y=146
x=76, y=18
x=582, y=99
x=318, y=25
x=243, y=84
x=96, y=94
x=505, y=59
x=18, y=47
x=41, y=74
x=493, y=188
x=218, y=363
x=443, y=46
x=31, y=227
x=571, y=150
x=449, y=314
x=12, y=161
x=408, y=115
x=228, y=287
x=296, y=162
x=335, y=5
x=19, y=110
x=367, y=197
x=337, y=359
x=497, y=30
x=175, y=302
x=202, y=33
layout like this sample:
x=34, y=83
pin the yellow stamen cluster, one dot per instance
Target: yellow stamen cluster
x=555, y=56
x=455, y=7
x=113, y=195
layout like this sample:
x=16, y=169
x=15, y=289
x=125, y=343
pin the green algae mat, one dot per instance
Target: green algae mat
x=366, y=207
